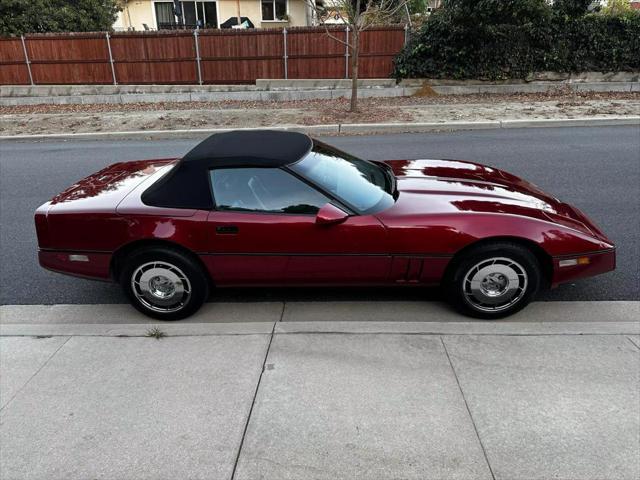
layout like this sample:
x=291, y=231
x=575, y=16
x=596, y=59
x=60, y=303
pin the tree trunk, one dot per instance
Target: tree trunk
x=355, y=51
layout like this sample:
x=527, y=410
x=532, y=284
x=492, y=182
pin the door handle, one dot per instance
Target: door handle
x=226, y=230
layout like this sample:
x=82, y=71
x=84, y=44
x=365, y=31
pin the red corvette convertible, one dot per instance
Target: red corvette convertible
x=280, y=208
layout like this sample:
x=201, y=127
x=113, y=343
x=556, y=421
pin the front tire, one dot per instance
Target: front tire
x=494, y=280
x=164, y=283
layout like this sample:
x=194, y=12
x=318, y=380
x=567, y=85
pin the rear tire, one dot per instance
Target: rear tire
x=494, y=280
x=164, y=283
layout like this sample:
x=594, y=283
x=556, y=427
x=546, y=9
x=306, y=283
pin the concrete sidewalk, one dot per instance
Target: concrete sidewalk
x=316, y=390
x=421, y=317
x=316, y=406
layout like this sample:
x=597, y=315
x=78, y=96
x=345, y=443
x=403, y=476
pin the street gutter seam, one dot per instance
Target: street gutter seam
x=36, y=373
x=253, y=402
x=170, y=335
x=466, y=404
x=439, y=334
x=324, y=332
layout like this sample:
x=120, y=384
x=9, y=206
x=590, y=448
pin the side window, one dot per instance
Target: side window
x=264, y=190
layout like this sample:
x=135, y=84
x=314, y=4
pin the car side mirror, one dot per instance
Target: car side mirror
x=330, y=215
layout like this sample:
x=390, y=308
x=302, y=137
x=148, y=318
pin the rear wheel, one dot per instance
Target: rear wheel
x=494, y=280
x=164, y=283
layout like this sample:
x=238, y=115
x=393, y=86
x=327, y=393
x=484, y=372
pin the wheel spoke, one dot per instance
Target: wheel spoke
x=494, y=284
x=161, y=286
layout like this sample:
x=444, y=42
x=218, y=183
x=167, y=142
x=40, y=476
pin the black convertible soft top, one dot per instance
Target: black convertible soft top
x=187, y=185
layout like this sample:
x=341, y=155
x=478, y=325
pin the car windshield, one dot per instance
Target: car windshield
x=362, y=185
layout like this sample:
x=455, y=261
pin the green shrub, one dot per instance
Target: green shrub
x=501, y=39
x=36, y=16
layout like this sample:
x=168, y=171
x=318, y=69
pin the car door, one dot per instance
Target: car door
x=264, y=231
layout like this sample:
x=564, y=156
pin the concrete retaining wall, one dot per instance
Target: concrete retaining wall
x=207, y=96
x=287, y=90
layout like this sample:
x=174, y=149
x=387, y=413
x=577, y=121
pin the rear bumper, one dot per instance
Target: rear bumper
x=599, y=262
x=92, y=265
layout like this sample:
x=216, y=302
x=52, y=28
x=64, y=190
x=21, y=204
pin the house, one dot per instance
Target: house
x=634, y=4
x=160, y=14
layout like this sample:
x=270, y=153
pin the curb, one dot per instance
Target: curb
x=407, y=317
x=351, y=128
x=355, y=328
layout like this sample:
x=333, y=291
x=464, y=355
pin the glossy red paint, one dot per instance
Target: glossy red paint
x=442, y=207
x=601, y=262
x=449, y=205
x=97, y=215
x=95, y=267
x=330, y=215
x=355, y=250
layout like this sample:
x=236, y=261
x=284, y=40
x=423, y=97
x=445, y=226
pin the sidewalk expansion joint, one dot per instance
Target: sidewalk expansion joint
x=253, y=401
x=36, y=373
x=634, y=343
x=466, y=404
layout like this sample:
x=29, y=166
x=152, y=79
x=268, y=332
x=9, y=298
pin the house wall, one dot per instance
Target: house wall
x=134, y=13
x=253, y=9
x=137, y=12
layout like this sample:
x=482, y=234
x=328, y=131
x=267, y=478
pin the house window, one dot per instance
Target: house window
x=164, y=15
x=274, y=10
x=200, y=14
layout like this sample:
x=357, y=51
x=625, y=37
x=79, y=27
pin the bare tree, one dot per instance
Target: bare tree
x=358, y=15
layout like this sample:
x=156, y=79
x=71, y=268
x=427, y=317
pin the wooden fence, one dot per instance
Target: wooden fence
x=194, y=57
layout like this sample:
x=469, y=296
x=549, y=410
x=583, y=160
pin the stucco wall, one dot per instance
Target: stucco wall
x=248, y=8
x=252, y=9
x=137, y=12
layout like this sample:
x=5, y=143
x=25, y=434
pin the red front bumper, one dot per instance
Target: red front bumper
x=599, y=262
x=95, y=266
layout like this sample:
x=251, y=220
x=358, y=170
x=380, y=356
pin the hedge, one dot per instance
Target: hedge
x=463, y=41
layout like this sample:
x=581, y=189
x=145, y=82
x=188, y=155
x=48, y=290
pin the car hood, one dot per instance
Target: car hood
x=449, y=186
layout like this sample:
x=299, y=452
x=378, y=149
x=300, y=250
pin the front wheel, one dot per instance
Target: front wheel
x=164, y=283
x=494, y=280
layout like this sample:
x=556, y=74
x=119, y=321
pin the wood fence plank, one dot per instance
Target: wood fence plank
x=13, y=68
x=228, y=56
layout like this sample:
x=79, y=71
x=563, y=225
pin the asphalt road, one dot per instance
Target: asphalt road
x=597, y=169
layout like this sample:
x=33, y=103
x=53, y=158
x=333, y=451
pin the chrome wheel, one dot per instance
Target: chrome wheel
x=495, y=284
x=161, y=286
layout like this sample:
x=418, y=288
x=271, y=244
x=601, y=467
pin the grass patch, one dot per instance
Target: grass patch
x=156, y=333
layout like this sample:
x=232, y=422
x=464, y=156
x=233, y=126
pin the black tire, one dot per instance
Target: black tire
x=168, y=272
x=474, y=279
